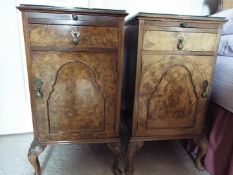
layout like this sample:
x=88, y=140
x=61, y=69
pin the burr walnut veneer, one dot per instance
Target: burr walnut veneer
x=169, y=63
x=74, y=61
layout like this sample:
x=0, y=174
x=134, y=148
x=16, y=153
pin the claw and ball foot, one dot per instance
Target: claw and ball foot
x=132, y=149
x=34, y=151
x=202, y=143
x=118, y=151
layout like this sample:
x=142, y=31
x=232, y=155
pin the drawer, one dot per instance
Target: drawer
x=185, y=24
x=56, y=16
x=73, y=36
x=177, y=41
x=73, y=19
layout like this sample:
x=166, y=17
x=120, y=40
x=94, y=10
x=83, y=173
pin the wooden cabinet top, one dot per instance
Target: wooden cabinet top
x=168, y=17
x=53, y=9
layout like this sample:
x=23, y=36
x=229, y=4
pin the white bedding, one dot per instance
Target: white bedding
x=228, y=26
x=222, y=88
x=226, y=45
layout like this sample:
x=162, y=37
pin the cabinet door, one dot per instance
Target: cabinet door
x=172, y=94
x=79, y=95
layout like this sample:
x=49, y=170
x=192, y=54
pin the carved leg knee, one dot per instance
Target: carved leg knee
x=202, y=143
x=132, y=149
x=118, y=151
x=34, y=151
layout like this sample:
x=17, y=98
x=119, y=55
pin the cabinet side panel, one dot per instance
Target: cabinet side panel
x=129, y=74
x=119, y=76
x=29, y=70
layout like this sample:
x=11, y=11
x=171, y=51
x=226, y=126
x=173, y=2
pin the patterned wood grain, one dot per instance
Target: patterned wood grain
x=79, y=94
x=60, y=35
x=174, y=87
x=170, y=93
x=163, y=40
x=76, y=102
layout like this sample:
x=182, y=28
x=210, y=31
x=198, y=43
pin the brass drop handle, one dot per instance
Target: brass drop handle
x=180, y=43
x=75, y=36
x=38, y=85
x=205, y=92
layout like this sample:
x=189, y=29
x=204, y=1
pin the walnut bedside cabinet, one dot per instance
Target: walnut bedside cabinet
x=169, y=63
x=74, y=62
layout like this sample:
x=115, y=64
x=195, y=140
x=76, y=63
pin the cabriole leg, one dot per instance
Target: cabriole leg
x=34, y=151
x=118, y=151
x=132, y=149
x=202, y=143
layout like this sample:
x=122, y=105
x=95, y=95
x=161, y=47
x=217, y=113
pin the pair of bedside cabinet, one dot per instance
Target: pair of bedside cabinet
x=80, y=84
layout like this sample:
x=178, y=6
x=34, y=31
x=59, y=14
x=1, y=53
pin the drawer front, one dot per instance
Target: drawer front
x=172, y=96
x=73, y=19
x=74, y=95
x=178, y=41
x=63, y=16
x=73, y=36
x=184, y=24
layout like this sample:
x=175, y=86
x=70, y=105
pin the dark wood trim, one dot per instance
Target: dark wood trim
x=176, y=52
x=119, y=77
x=167, y=17
x=68, y=16
x=111, y=23
x=53, y=9
x=178, y=29
x=138, y=75
x=189, y=24
x=67, y=19
x=72, y=49
x=165, y=137
x=29, y=69
x=107, y=140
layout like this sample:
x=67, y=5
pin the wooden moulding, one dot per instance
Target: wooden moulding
x=88, y=11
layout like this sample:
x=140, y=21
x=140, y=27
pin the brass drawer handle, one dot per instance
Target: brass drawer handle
x=75, y=17
x=205, y=92
x=180, y=43
x=75, y=36
x=38, y=84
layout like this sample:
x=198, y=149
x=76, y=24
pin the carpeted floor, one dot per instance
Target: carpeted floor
x=155, y=158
